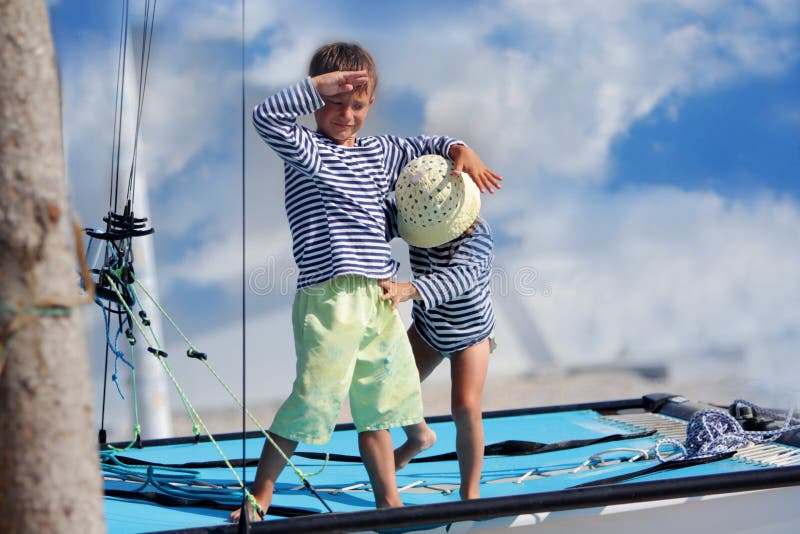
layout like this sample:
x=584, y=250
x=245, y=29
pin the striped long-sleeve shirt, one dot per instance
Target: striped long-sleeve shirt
x=454, y=282
x=334, y=194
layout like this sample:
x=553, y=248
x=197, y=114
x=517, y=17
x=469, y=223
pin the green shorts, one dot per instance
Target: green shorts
x=348, y=341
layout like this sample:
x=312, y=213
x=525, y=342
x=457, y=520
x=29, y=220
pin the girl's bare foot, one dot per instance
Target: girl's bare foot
x=418, y=441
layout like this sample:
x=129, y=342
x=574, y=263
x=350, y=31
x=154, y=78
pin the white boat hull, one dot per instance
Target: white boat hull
x=773, y=511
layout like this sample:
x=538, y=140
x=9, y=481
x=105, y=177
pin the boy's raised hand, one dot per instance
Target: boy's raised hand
x=343, y=81
x=465, y=159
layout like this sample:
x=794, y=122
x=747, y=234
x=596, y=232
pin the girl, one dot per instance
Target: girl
x=450, y=248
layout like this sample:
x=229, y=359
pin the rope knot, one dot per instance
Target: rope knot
x=713, y=432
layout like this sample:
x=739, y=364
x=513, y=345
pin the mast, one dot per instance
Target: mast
x=151, y=380
x=128, y=294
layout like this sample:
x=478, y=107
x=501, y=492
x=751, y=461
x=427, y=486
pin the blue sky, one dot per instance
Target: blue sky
x=650, y=149
x=737, y=140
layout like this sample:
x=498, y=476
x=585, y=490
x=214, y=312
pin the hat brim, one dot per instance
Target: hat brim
x=448, y=229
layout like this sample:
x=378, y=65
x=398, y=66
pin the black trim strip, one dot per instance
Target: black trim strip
x=503, y=448
x=662, y=466
x=179, y=502
x=512, y=447
x=494, y=507
x=602, y=407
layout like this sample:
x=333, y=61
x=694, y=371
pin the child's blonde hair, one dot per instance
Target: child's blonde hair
x=338, y=56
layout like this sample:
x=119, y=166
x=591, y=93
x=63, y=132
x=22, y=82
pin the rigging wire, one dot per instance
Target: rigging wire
x=119, y=94
x=118, y=275
x=118, y=254
x=144, y=67
x=113, y=190
x=244, y=522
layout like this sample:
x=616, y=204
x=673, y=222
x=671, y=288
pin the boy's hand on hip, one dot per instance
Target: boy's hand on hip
x=397, y=292
x=466, y=160
x=343, y=81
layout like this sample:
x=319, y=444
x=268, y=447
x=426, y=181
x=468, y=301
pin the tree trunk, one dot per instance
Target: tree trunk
x=49, y=472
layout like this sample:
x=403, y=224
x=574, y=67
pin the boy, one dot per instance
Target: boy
x=347, y=341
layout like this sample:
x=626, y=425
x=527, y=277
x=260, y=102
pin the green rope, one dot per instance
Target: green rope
x=49, y=311
x=46, y=311
x=301, y=475
x=137, y=431
x=185, y=399
x=163, y=312
x=194, y=415
x=137, y=428
x=153, y=343
x=157, y=345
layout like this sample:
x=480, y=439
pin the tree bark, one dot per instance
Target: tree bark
x=49, y=471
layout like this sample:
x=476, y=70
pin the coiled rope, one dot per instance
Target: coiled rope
x=714, y=432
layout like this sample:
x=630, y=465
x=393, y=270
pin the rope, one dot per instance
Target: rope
x=162, y=310
x=760, y=410
x=300, y=474
x=157, y=351
x=46, y=306
x=714, y=432
x=119, y=97
x=144, y=68
x=193, y=414
x=187, y=403
x=114, y=347
x=245, y=517
x=22, y=316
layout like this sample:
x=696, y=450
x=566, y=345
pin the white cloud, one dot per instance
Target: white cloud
x=270, y=362
x=218, y=261
x=573, y=77
x=215, y=21
x=656, y=272
x=553, y=103
x=661, y=273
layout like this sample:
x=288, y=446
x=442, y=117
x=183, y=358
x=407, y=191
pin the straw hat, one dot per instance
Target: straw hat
x=433, y=205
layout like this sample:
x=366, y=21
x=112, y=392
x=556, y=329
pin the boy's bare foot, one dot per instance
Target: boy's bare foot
x=469, y=494
x=415, y=444
x=254, y=515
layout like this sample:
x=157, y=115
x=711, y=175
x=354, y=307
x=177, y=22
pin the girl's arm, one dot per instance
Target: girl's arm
x=471, y=262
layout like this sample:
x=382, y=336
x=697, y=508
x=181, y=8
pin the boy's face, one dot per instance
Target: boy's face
x=343, y=115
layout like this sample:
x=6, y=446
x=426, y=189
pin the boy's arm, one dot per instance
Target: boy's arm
x=390, y=211
x=342, y=81
x=397, y=292
x=403, y=150
x=275, y=120
x=465, y=159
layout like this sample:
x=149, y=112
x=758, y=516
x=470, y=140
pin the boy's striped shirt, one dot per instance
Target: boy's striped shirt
x=334, y=194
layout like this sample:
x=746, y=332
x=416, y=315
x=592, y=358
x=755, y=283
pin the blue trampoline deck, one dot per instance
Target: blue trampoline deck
x=160, y=493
